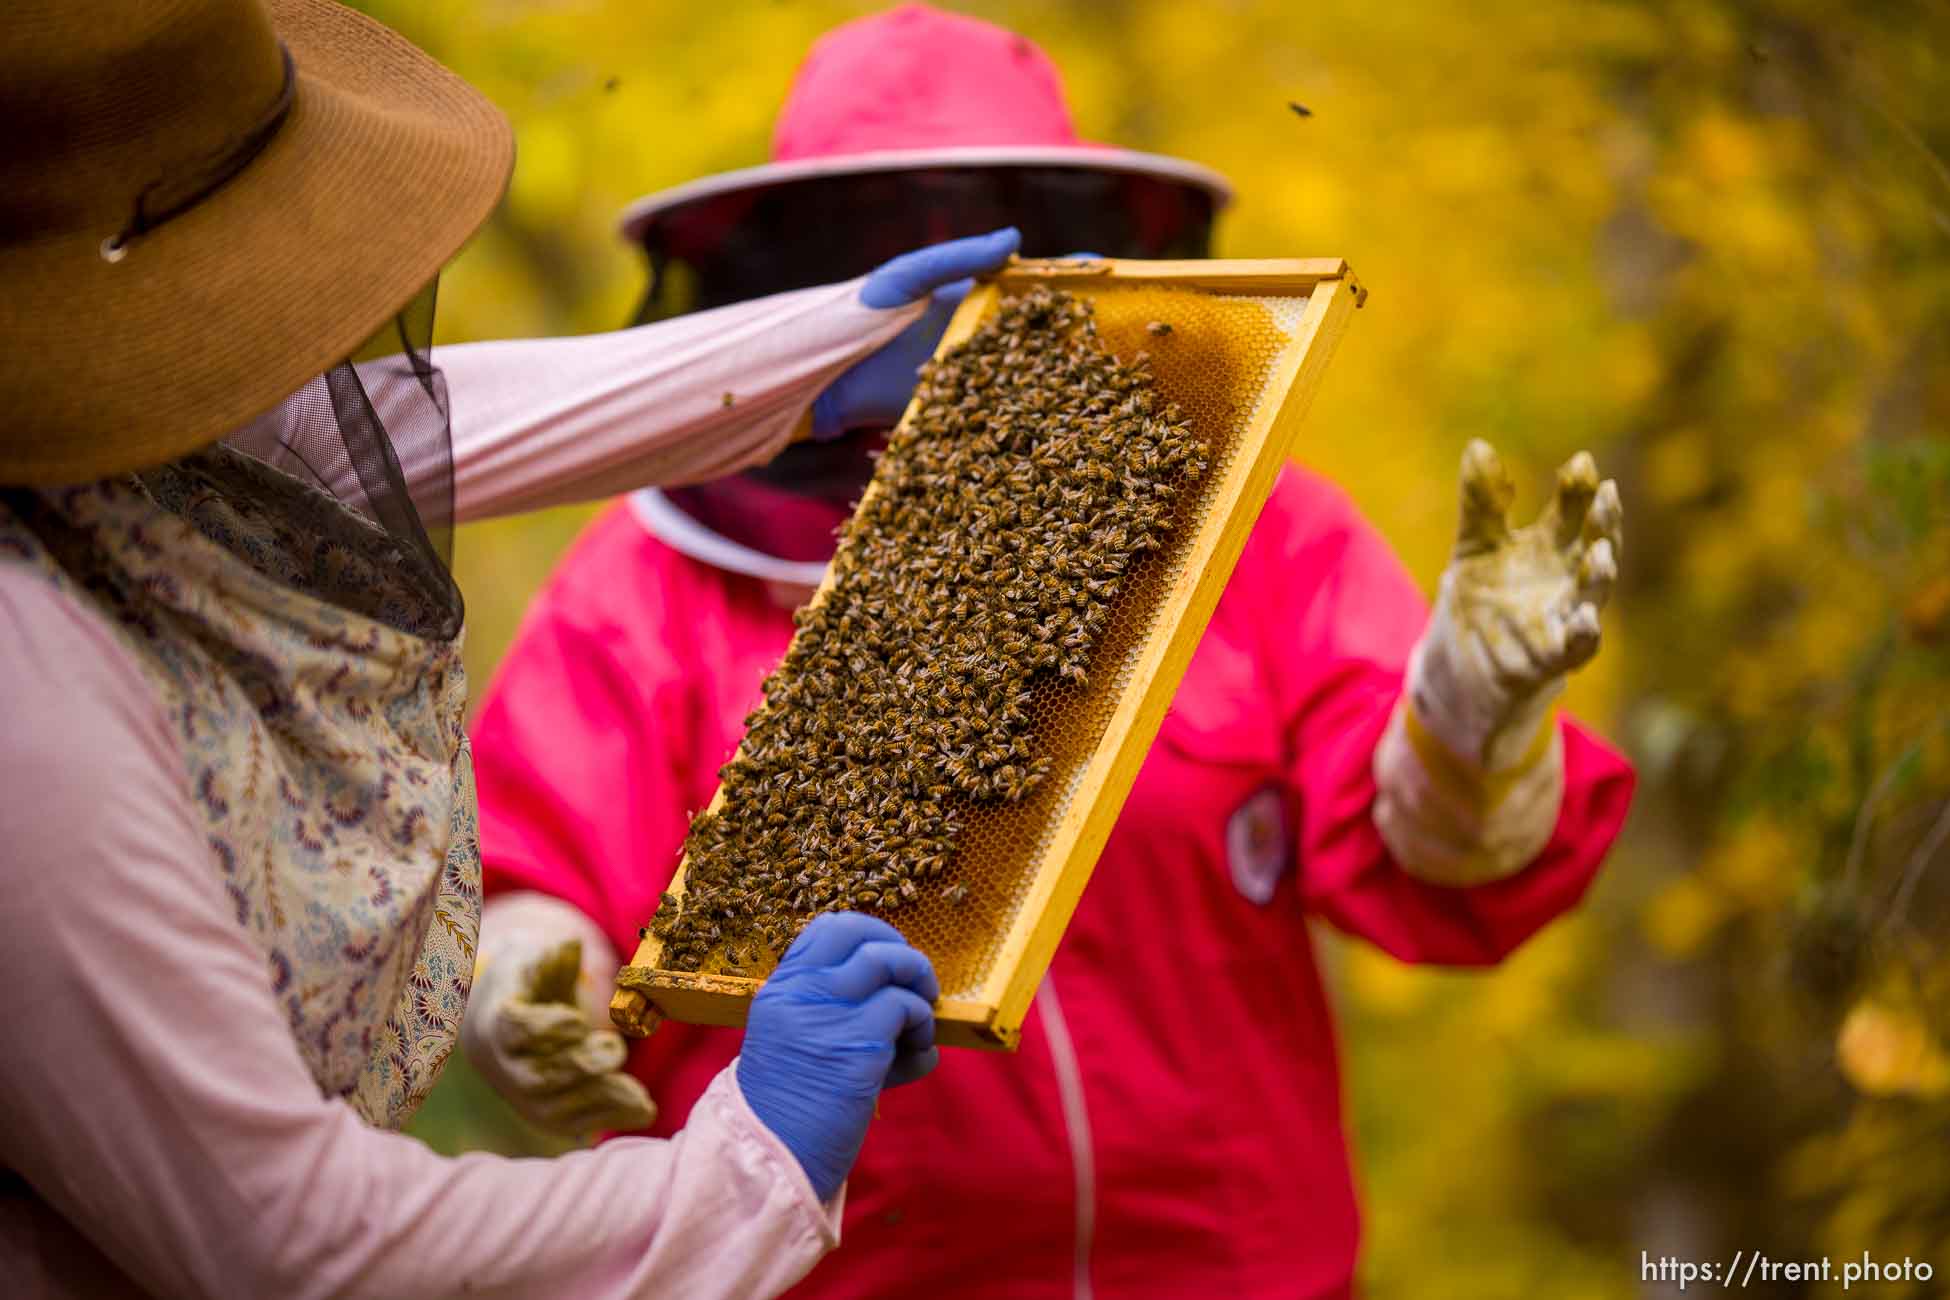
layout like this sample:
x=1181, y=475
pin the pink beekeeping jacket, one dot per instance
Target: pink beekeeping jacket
x=1172, y=1123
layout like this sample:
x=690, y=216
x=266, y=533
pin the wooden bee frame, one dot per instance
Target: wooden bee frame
x=992, y=1017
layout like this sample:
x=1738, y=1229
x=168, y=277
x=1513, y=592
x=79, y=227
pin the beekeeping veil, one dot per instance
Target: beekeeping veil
x=902, y=129
x=374, y=434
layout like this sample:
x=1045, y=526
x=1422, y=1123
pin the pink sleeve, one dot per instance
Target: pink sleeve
x=576, y=759
x=544, y=422
x=152, y=1098
x=1343, y=615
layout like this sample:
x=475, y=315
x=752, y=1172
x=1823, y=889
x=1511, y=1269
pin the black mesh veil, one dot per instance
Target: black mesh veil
x=806, y=230
x=735, y=245
x=373, y=433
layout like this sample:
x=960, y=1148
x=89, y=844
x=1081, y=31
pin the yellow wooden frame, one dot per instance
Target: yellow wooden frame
x=646, y=995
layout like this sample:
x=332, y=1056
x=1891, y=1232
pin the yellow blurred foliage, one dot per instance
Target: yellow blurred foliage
x=1683, y=916
x=1885, y=1051
x=1758, y=865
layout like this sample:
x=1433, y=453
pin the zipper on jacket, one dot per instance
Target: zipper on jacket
x=1076, y=1123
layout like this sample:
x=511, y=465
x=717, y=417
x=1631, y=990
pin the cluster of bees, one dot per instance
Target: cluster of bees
x=1003, y=521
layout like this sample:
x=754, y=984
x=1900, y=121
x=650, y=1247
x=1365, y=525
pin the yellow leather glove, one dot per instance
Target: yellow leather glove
x=541, y=988
x=1470, y=772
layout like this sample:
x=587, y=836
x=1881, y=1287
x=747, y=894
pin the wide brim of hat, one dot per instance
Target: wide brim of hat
x=639, y=215
x=384, y=167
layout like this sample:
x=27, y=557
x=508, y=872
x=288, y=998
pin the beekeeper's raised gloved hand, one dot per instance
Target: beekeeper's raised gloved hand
x=1470, y=772
x=848, y=1011
x=536, y=1023
x=874, y=392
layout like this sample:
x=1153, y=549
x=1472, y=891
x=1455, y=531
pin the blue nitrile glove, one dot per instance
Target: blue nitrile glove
x=849, y=1010
x=874, y=392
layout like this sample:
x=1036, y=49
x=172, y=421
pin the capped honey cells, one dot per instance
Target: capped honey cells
x=1037, y=474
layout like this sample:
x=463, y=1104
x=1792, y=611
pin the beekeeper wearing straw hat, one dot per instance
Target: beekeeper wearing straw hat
x=1172, y=1124
x=240, y=861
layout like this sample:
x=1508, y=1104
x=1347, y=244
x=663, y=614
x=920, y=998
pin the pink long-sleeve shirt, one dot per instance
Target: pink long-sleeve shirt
x=158, y=1129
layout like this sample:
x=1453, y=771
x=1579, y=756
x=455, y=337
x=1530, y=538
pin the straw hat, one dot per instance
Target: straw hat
x=204, y=204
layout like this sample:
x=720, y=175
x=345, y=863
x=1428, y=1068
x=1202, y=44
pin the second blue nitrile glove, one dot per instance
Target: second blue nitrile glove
x=874, y=392
x=849, y=1010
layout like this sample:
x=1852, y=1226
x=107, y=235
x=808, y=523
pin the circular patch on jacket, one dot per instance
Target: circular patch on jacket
x=1258, y=848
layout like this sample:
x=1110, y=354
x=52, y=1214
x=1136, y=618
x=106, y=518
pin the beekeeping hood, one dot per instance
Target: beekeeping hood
x=221, y=222
x=901, y=129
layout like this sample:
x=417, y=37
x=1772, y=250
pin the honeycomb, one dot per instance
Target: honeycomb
x=1216, y=363
x=1213, y=355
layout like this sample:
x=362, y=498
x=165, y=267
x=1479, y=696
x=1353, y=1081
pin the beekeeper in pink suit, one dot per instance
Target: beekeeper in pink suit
x=1172, y=1123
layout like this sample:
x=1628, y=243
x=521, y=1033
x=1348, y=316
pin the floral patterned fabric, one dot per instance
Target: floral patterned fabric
x=322, y=733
